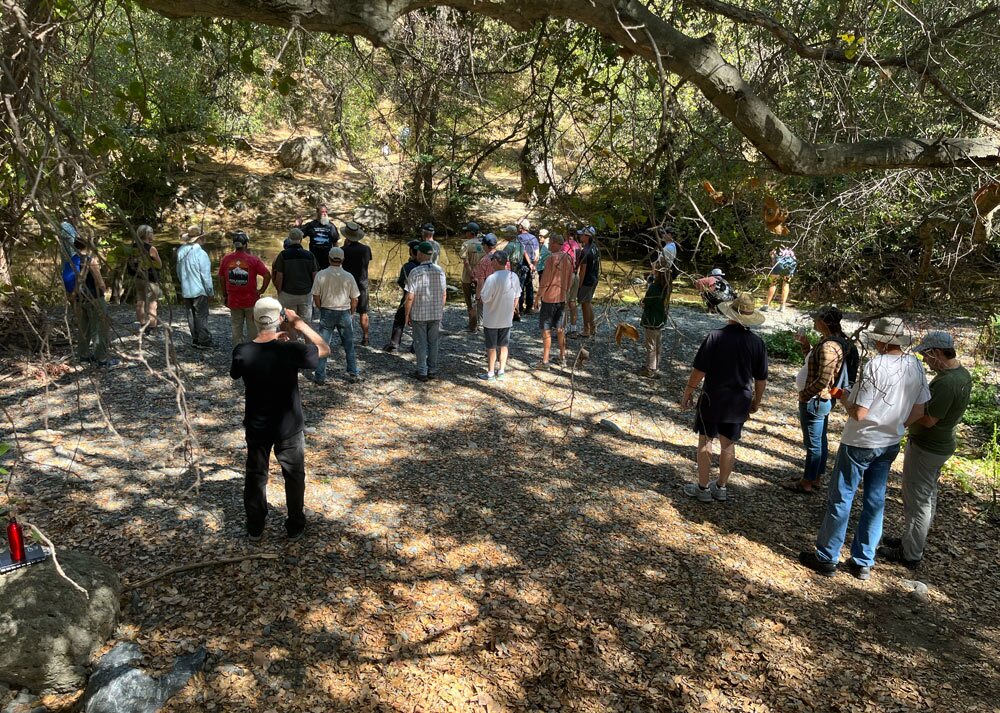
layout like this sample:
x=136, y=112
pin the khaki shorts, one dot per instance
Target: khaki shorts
x=573, y=287
x=147, y=291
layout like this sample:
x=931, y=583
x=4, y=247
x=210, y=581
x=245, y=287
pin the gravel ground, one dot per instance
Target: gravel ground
x=493, y=547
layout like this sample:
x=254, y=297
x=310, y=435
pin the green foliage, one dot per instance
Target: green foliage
x=782, y=346
x=984, y=404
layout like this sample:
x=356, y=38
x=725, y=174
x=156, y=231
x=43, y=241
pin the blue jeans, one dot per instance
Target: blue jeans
x=854, y=467
x=426, y=337
x=337, y=320
x=814, y=416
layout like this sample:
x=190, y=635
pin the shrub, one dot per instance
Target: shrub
x=781, y=346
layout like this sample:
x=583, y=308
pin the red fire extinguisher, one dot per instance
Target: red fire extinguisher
x=15, y=538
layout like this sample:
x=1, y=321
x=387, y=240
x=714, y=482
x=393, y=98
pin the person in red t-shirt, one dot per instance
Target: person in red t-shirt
x=238, y=273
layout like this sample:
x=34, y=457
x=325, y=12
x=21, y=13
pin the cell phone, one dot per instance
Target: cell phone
x=282, y=315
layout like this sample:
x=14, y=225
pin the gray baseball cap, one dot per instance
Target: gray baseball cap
x=935, y=340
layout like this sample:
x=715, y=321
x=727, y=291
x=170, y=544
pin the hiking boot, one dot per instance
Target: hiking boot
x=896, y=556
x=296, y=536
x=892, y=542
x=859, y=571
x=810, y=560
x=389, y=348
x=353, y=378
x=718, y=492
x=255, y=538
x=693, y=490
x=421, y=377
x=319, y=380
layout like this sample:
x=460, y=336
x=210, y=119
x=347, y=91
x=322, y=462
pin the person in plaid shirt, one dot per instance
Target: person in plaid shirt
x=816, y=383
x=425, y=298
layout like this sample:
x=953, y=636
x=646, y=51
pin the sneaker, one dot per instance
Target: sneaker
x=858, y=571
x=719, y=492
x=353, y=378
x=488, y=377
x=255, y=538
x=295, y=537
x=765, y=308
x=319, y=380
x=501, y=376
x=693, y=490
x=562, y=362
x=810, y=560
x=895, y=554
x=782, y=309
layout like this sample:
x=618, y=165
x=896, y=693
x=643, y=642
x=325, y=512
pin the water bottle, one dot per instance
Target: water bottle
x=15, y=538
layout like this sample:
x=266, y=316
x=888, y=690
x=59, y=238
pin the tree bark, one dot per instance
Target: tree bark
x=635, y=28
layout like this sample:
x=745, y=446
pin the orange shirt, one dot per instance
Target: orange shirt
x=556, y=278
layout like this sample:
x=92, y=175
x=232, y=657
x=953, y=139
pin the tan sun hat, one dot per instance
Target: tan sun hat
x=193, y=233
x=743, y=310
x=889, y=330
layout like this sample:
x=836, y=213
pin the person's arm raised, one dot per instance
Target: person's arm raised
x=310, y=334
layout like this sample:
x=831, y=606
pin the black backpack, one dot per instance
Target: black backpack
x=849, y=366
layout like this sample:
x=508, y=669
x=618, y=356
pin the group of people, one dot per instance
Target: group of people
x=884, y=399
x=550, y=274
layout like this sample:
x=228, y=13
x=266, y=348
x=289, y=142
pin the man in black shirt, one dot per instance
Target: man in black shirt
x=269, y=367
x=294, y=271
x=322, y=234
x=733, y=363
x=590, y=274
x=357, y=256
x=400, y=319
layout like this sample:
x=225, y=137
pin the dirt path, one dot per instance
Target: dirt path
x=490, y=547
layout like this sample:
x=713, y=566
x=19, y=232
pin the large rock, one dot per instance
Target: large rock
x=371, y=217
x=48, y=629
x=306, y=154
x=117, y=686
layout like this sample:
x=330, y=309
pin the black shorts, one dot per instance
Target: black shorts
x=731, y=431
x=550, y=316
x=496, y=338
x=363, y=299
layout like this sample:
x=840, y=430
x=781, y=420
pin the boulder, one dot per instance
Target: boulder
x=371, y=217
x=49, y=629
x=117, y=686
x=307, y=154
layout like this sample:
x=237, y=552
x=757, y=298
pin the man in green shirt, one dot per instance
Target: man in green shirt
x=931, y=444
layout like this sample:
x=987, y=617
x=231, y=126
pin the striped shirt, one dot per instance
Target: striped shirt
x=426, y=283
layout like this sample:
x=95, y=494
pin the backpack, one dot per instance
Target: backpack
x=849, y=366
x=71, y=273
x=723, y=292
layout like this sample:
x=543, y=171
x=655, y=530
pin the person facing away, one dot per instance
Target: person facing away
x=90, y=309
x=269, y=367
x=500, y=293
x=470, y=253
x=357, y=257
x=732, y=361
x=826, y=365
x=890, y=392
x=399, y=321
x=238, y=275
x=425, y=297
x=144, y=267
x=654, y=316
x=322, y=234
x=294, y=271
x=194, y=270
x=427, y=236
x=336, y=296
x=930, y=444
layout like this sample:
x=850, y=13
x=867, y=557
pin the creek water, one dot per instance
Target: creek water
x=620, y=276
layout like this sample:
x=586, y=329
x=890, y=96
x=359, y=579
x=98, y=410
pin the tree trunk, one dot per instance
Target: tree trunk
x=638, y=31
x=538, y=173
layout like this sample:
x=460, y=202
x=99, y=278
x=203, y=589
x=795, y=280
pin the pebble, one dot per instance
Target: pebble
x=917, y=590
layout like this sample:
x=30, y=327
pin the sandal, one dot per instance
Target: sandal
x=796, y=486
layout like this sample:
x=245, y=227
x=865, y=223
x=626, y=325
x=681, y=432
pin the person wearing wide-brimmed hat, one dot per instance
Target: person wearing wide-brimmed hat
x=732, y=361
x=930, y=445
x=890, y=392
x=194, y=270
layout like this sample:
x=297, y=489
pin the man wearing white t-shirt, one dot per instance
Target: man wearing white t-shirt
x=499, y=294
x=889, y=394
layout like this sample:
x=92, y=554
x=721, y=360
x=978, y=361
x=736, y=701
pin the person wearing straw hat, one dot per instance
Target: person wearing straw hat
x=732, y=361
x=194, y=270
x=890, y=392
x=930, y=445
